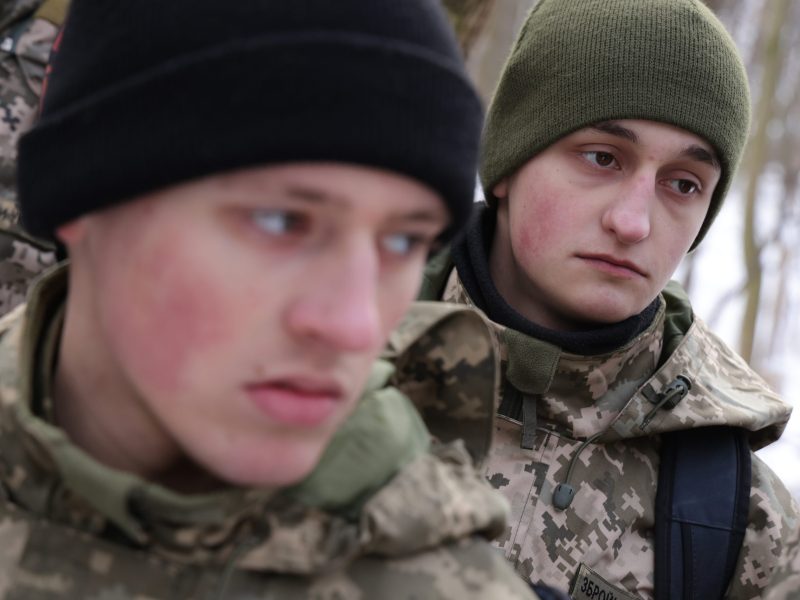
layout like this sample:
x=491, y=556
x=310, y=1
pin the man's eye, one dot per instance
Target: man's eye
x=401, y=244
x=684, y=187
x=601, y=159
x=278, y=222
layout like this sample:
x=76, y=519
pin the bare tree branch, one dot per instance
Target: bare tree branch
x=469, y=18
x=774, y=18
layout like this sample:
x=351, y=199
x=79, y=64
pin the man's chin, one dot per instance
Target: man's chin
x=274, y=467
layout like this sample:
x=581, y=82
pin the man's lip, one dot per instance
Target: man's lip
x=617, y=262
x=303, y=384
x=297, y=401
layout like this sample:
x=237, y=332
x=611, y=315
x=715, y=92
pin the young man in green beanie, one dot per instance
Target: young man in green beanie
x=190, y=408
x=610, y=144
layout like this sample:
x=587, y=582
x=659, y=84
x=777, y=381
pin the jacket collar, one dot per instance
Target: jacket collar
x=618, y=394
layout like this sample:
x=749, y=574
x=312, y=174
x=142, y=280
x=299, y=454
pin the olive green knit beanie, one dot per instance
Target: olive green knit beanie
x=579, y=62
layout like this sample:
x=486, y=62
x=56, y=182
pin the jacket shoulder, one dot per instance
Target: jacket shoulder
x=11, y=330
x=724, y=390
x=467, y=570
x=447, y=362
x=773, y=521
x=785, y=581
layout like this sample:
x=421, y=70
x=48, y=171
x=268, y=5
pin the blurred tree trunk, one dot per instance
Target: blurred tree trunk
x=490, y=50
x=789, y=214
x=469, y=18
x=714, y=5
x=781, y=312
x=730, y=12
x=773, y=17
x=687, y=282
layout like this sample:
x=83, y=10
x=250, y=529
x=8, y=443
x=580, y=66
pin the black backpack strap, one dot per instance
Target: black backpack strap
x=548, y=593
x=702, y=507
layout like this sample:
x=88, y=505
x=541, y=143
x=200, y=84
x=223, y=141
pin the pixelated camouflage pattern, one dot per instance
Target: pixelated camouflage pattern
x=592, y=411
x=25, y=44
x=73, y=528
x=785, y=581
x=447, y=363
x=14, y=10
x=24, y=49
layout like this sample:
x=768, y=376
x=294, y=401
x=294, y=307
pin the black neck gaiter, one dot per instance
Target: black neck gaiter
x=471, y=257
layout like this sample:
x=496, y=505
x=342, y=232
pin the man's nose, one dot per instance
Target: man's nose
x=628, y=215
x=339, y=306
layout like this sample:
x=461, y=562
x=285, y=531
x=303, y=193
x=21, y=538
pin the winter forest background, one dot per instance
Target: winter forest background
x=744, y=279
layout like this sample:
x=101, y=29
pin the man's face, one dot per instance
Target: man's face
x=245, y=310
x=592, y=228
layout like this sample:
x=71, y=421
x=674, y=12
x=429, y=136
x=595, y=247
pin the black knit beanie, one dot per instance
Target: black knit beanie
x=148, y=93
x=580, y=62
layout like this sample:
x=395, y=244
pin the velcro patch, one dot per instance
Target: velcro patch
x=588, y=585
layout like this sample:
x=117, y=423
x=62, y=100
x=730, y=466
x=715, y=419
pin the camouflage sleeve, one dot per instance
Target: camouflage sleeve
x=21, y=260
x=447, y=363
x=785, y=582
x=24, y=49
x=467, y=570
x=773, y=518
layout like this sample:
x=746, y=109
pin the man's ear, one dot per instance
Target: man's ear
x=501, y=189
x=73, y=232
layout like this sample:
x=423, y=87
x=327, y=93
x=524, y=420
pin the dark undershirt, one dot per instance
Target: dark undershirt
x=471, y=257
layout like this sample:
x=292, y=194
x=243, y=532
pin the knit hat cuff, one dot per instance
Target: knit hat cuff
x=317, y=96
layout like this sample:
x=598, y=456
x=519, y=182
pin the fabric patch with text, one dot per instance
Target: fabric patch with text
x=588, y=585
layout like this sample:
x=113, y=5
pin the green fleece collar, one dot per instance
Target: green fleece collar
x=531, y=364
x=384, y=434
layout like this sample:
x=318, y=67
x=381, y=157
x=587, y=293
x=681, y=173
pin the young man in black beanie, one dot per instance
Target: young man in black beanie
x=626, y=427
x=191, y=407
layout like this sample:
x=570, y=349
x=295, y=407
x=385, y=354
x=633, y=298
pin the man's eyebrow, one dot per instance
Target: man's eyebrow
x=422, y=216
x=699, y=153
x=309, y=194
x=316, y=196
x=693, y=151
x=616, y=129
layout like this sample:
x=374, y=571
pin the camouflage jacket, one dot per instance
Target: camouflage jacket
x=785, y=582
x=28, y=29
x=386, y=514
x=593, y=421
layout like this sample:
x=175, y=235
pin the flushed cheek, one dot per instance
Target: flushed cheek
x=662, y=268
x=185, y=323
x=536, y=227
